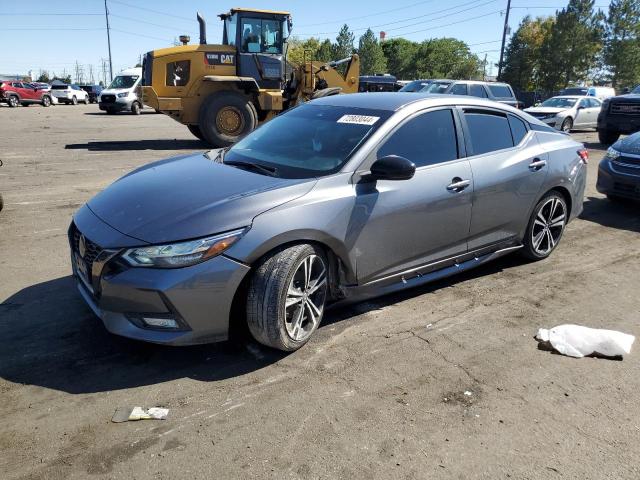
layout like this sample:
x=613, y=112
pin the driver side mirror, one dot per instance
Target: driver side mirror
x=393, y=167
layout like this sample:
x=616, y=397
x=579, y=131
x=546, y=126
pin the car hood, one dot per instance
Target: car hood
x=115, y=91
x=633, y=97
x=189, y=197
x=545, y=109
x=630, y=144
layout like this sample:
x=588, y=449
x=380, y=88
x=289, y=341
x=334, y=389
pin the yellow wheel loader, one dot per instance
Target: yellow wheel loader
x=222, y=92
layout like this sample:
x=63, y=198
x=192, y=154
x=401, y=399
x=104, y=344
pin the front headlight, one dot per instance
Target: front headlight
x=122, y=95
x=612, y=154
x=181, y=254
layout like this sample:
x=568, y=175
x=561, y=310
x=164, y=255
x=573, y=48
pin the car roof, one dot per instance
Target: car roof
x=394, y=101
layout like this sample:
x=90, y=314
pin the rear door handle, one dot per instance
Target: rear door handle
x=537, y=164
x=458, y=185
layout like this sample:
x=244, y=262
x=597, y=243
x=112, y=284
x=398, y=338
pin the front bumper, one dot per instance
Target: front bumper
x=198, y=298
x=625, y=124
x=118, y=105
x=616, y=180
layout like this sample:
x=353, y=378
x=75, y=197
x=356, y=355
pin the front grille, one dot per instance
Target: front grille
x=626, y=168
x=91, y=251
x=108, y=98
x=622, y=108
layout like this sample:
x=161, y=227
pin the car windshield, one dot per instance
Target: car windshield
x=436, y=87
x=414, y=86
x=636, y=90
x=124, y=81
x=559, y=102
x=307, y=141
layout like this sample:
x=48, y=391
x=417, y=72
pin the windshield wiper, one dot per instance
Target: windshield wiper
x=271, y=171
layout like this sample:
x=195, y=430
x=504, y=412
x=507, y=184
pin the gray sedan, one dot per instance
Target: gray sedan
x=343, y=198
x=566, y=112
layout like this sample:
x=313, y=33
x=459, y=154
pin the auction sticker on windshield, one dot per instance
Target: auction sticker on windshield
x=359, y=119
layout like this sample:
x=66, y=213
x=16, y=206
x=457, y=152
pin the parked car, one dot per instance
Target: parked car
x=23, y=93
x=344, y=197
x=619, y=115
x=579, y=91
x=567, y=112
x=498, y=92
x=377, y=83
x=415, y=85
x=601, y=93
x=93, y=91
x=69, y=94
x=122, y=94
x=619, y=170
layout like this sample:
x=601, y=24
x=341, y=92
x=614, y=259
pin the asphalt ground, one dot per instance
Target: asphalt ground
x=379, y=391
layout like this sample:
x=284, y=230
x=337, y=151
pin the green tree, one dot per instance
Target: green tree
x=343, y=47
x=325, y=51
x=622, y=42
x=372, y=59
x=523, y=55
x=572, y=48
x=400, y=54
x=299, y=51
x=43, y=77
x=446, y=58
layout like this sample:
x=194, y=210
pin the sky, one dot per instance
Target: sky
x=53, y=36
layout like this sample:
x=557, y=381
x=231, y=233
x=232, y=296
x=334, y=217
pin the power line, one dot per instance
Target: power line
x=167, y=14
x=139, y=35
x=447, y=24
x=51, y=14
x=58, y=29
x=137, y=20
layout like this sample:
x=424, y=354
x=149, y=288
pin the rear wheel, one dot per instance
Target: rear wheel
x=135, y=108
x=13, y=101
x=567, y=125
x=86, y=100
x=46, y=101
x=607, y=137
x=226, y=117
x=287, y=296
x=546, y=226
x=74, y=100
x=111, y=111
x=195, y=129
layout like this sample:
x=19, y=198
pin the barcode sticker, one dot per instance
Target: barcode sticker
x=359, y=119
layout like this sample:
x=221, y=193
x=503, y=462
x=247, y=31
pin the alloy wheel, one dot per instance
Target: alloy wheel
x=305, y=298
x=548, y=226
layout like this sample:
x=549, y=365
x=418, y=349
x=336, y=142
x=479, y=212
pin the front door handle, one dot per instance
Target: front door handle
x=458, y=184
x=537, y=164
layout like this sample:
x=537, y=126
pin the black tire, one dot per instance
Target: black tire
x=226, y=117
x=110, y=111
x=74, y=100
x=195, y=129
x=1, y=203
x=326, y=92
x=135, y=108
x=268, y=291
x=567, y=125
x=530, y=250
x=607, y=137
x=13, y=101
x=46, y=101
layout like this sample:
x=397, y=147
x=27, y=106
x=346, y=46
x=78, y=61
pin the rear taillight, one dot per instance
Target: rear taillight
x=584, y=155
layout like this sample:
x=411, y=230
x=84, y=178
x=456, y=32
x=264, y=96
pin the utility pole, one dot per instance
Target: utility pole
x=484, y=68
x=106, y=14
x=504, y=38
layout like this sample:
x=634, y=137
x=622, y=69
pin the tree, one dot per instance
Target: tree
x=325, y=51
x=523, y=55
x=43, y=77
x=300, y=51
x=571, y=49
x=622, y=42
x=446, y=58
x=400, y=54
x=372, y=59
x=343, y=47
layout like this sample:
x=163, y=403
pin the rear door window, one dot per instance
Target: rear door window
x=427, y=139
x=459, y=89
x=501, y=91
x=489, y=131
x=477, y=90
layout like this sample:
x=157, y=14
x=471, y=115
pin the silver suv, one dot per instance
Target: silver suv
x=498, y=92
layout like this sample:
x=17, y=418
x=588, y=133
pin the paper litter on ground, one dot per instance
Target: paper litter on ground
x=578, y=341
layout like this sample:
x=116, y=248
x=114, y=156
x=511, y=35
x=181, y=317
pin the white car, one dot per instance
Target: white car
x=566, y=112
x=72, y=94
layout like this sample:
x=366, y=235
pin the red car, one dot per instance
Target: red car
x=17, y=93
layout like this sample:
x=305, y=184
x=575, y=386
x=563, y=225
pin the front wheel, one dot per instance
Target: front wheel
x=135, y=108
x=13, y=101
x=607, y=137
x=287, y=296
x=226, y=117
x=74, y=100
x=46, y=101
x=546, y=226
x=87, y=101
x=567, y=125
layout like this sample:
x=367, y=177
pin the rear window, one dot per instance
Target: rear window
x=414, y=86
x=489, y=131
x=59, y=87
x=501, y=91
x=436, y=87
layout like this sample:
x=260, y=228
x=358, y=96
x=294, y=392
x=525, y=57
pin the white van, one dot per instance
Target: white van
x=601, y=92
x=122, y=94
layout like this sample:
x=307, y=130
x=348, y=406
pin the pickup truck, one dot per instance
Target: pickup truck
x=619, y=115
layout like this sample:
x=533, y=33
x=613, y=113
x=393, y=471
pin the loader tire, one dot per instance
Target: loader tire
x=195, y=129
x=226, y=117
x=326, y=92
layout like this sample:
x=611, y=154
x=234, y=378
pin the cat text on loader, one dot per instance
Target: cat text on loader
x=222, y=92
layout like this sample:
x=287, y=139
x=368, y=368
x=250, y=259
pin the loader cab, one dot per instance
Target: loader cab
x=259, y=37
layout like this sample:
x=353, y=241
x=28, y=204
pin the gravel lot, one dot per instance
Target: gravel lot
x=377, y=393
